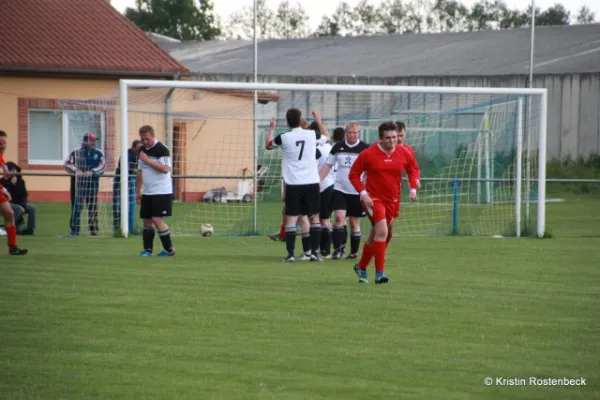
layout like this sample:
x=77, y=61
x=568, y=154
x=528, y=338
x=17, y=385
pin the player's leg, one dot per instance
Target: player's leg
x=305, y=235
x=10, y=227
x=355, y=212
x=324, y=219
x=339, y=232
x=312, y=201
x=293, y=209
x=30, y=230
x=373, y=243
x=162, y=207
x=148, y=231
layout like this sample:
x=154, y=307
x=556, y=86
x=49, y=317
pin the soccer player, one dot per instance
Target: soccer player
x=85, y=165
x=154, y=192
x=5, y=208
x=382, y=164
x=301, y=178
x=345, y=199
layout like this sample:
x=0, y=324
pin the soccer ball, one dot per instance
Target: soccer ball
x=206, y=230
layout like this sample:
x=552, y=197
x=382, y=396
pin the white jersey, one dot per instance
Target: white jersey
x=155, y=182
x=330, y=178
x=299, y=148
x=343, y=156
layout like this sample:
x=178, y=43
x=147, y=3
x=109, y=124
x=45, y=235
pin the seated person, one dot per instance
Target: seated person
x=18, y=192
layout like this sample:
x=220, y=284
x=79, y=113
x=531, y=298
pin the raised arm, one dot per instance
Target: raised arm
x=269, y=137
x=322, y=128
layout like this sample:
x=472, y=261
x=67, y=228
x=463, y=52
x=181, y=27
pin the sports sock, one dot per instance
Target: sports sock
x=325, y=240
x=354, y=242
x=306, y=242
x=165, y=238
x=290, y=239
x=148, y=238
x=345, y=237
x=379, y=253
x=11, y=235
x=337, y=236
x=315, y=237
x=366, y=256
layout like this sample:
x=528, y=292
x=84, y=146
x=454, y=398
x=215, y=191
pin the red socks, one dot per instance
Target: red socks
x=11, y=234
x=366, y=256
x=379, y=253
x=282, y=231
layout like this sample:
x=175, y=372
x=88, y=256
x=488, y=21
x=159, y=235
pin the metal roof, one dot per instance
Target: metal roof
x=559, y=50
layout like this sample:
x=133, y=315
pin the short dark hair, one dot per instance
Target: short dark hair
x=386, y=126
x=400, y=126
x=294, y=117
x=147, y=129
x=3, y=134
x=339, y=134
x=135, y=143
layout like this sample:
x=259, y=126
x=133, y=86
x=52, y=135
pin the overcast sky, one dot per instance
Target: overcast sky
x=317, y=8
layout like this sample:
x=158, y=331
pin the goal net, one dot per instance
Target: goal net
x=479, y=151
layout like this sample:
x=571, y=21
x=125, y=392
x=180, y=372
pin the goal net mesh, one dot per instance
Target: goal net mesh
x=466, y=146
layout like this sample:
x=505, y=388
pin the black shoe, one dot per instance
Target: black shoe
x=15, y=251
x=352, y=256
x=289, y=259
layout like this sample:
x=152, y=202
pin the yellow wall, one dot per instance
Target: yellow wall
x=218, y=140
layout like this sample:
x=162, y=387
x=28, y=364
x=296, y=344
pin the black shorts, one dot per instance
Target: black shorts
x=156, y=205
x=302, y=199
x=326, y=207
x=348, y=202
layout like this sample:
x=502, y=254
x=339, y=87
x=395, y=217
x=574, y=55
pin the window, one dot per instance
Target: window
x=54, y=134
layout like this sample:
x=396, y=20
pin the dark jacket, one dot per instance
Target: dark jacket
x=132, y=161
x=18, y=191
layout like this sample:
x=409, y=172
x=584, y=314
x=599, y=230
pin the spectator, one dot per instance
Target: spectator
x=15, y=185
x=132, y=162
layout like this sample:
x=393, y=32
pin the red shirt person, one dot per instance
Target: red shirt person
x=381, y=167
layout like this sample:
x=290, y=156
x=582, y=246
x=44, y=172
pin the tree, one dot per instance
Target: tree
x=180, y=19
x=449, y=15
x=291, y=21
x=366, y=19
x=343, y=18
x=241, y=23
x=418, y=16
x=585, y=16
x=327, y=27
x=392, y=16
x=553, y=16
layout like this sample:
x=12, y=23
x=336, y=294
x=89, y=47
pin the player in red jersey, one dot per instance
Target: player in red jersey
x=382, y=165
x=5, y=208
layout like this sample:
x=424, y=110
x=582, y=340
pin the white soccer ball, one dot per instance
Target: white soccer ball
x=206, y=230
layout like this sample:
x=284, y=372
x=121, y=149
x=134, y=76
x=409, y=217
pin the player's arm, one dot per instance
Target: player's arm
x=269, y=137
x=322, y=130
x=418, y=173
x=329, y=163
x=139, y=181
x=355, y=175
x=413, y=172
x=162, y=165
x=99, y=170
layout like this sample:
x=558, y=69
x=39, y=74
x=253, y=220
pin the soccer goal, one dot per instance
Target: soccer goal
x=482, y=151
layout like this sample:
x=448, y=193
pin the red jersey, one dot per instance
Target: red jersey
x=2, y=168
x=383, y=172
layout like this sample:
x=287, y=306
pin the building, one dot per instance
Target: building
x=60, y=65
x=567, y=63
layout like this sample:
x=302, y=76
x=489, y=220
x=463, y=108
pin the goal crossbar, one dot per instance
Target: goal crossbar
x=126, y=84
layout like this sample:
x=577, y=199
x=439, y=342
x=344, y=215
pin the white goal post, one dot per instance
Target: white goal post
x=518, y=93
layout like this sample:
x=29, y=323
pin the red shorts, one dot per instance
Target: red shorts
x=381, y=210
x=3, y=198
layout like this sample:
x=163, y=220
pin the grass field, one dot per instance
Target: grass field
x=87, y=319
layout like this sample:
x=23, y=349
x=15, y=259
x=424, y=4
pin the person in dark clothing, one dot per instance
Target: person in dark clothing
x=132, y=161
x=15, y=185
x=85, y=165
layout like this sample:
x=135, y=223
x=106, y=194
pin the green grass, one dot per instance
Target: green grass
x=87, y=319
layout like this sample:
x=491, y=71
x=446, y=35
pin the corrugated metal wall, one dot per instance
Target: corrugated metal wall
x=573, y=102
